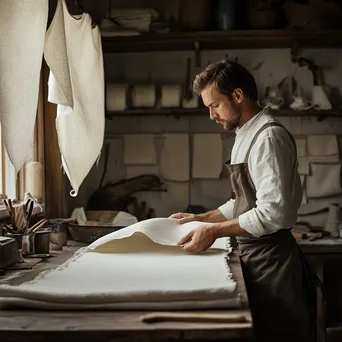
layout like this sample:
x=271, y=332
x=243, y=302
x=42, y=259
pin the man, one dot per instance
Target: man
x=268, y=193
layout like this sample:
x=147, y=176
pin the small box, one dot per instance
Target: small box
x=9, y=253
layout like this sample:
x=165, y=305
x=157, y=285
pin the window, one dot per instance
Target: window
x=12, y=185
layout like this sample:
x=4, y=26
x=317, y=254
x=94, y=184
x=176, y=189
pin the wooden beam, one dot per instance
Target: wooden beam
x=53, y=174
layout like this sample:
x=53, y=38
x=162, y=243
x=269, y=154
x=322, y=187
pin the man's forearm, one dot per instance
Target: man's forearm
x=228, y=228
x=213, y=216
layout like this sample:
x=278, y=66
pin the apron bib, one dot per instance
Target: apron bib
x=279, y=282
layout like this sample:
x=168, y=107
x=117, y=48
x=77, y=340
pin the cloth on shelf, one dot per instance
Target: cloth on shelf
x=135, y=19
x=207, y=156
x=139, y=149
x=165, y=276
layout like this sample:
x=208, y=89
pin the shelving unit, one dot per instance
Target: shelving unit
x=218, y=40
x=178, y=112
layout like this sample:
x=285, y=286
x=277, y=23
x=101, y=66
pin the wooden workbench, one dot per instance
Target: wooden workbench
x=65, y=326
x=325, y=256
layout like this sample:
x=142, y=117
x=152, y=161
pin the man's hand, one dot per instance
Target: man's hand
x=199, y=239
x=186, y=217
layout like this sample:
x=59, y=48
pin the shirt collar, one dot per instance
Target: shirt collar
x=250, y=122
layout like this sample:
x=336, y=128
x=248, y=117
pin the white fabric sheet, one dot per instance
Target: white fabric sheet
x=73, y=53
x=139, y=149
x=139, y=267
x=22, y=32
x=174, y=157
x=207, y=157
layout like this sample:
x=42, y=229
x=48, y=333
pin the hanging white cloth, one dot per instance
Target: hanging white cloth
x=73, y=53
x=22, y=32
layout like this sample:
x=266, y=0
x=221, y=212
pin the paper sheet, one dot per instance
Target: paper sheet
x=138, y=267
x=139, y=149
x=323, y=148
x=301, y=147
x=174, y=157
x=207, y=156
x=135, y=171
x=176, y=198
x=303, y=166
x=218, y=188
x=324, y=181
x=304, y=197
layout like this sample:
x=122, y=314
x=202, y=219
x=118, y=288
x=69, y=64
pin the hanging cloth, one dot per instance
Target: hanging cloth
x=22, y=32
x=73, y=53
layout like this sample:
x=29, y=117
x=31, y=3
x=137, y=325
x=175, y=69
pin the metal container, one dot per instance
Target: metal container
x=89, y=234
x=42, y=242
x=59, y=230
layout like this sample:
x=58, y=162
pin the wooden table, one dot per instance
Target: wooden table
x=325, y=256
x=64, y=326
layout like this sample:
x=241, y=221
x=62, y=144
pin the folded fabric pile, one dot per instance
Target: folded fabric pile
x=127, y=21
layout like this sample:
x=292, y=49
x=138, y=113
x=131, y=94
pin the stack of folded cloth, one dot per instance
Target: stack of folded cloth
x=128, y=21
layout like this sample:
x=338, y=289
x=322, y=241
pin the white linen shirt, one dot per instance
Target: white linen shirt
x=273, y=168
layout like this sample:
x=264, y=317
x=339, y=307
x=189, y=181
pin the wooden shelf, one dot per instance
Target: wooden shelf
x=216, y=40
x=178, y=112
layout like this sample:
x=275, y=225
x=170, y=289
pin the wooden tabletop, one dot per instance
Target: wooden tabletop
x=326, y=245
x=64, y=326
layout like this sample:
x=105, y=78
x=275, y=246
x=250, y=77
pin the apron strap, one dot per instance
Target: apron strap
x=269, y=124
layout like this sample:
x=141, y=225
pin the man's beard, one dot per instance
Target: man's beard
x=233, y=122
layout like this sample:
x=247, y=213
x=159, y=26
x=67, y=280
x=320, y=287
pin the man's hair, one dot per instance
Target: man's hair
x=227, y=76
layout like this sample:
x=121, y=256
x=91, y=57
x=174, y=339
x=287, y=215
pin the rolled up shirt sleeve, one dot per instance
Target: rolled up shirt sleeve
x=273, y=168
x=227, y=209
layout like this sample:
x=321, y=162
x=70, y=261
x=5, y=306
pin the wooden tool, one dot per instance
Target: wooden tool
x=28, y=215
x=156, y=317
x=38, y=225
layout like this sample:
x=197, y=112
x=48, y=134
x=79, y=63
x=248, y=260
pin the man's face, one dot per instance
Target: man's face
x=224, y=111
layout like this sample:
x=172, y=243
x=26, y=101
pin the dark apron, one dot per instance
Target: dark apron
x=280, y=285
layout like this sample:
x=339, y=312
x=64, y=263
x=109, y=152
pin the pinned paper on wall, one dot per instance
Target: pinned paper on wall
x=138, y=170
x=207, y=156
x=304, y=197
x=139, y=149
x=303, y=166
x=174, y=157
x=301, y=147
x=323, y=148
x=216, y=188
x=324, y=181
x=176, y=198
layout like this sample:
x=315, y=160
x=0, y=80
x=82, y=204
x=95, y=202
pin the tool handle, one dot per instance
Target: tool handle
x=194, y=317
x=37, y=226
